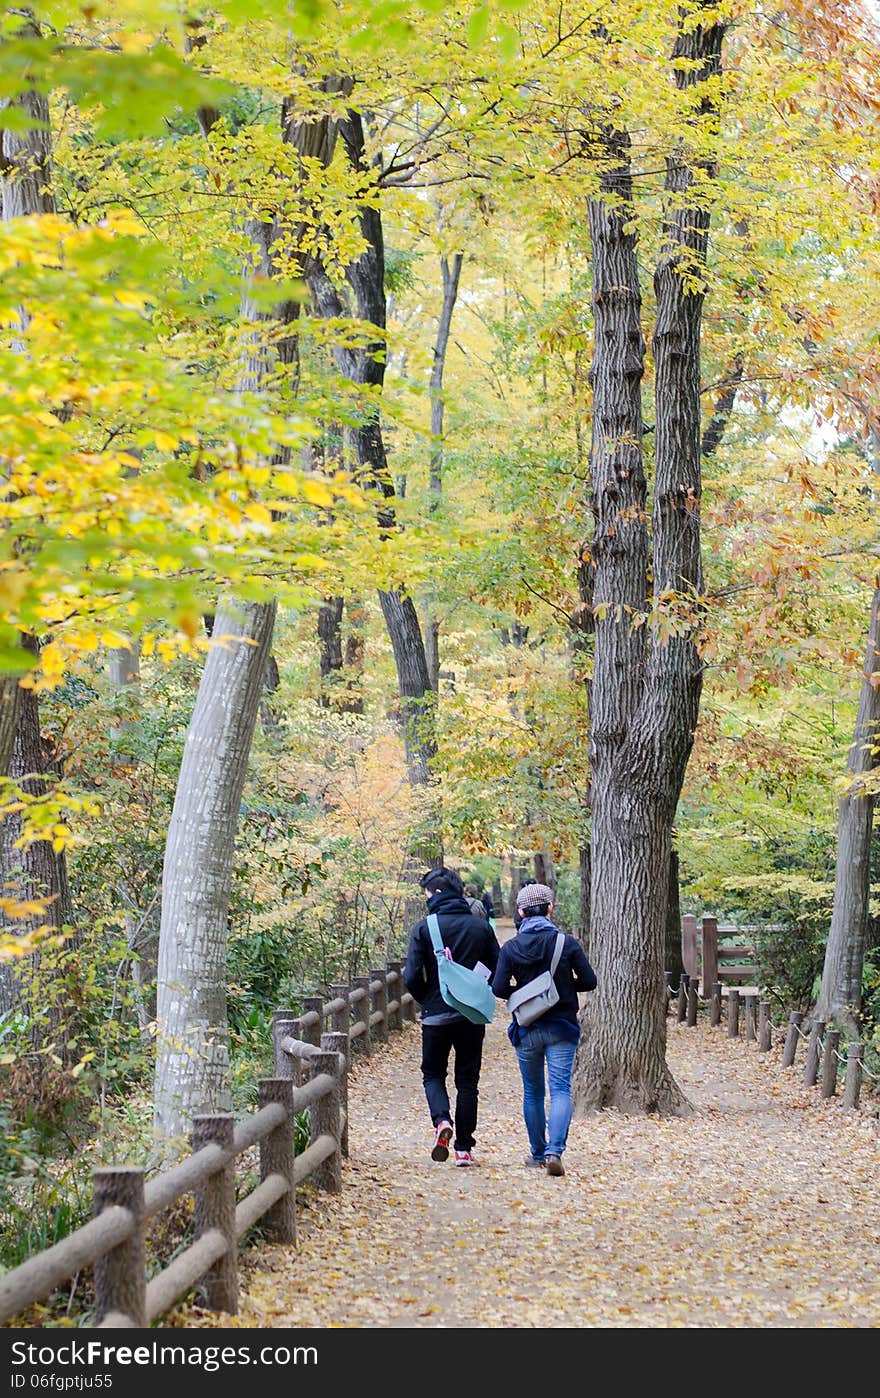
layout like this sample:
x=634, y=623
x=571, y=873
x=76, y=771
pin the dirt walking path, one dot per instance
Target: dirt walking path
x=761, y=1210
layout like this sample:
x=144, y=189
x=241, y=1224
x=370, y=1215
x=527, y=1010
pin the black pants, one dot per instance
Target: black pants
x=465, y=1040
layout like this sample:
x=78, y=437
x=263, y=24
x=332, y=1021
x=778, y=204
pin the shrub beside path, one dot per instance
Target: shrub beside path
x=761, y=1210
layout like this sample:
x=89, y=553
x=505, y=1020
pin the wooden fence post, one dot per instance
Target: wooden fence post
x=379, y=1002
x=751, y=1030
x=689, y=945
x=277, y=1152
x=363, y=1041
x=715, y=1005
x=311, y=1033
x=667, y=990
x=829, y=1063
x=325, y=1122
x=733, y=1013
x=215, y=1208
x=795, y=1019
x=338, y=1043
x=811, y=1068
x=709, y=950
x=283, y=1022
x=692, y=1002
x=121, y=1274
x=342, y=1017
x=682, y=997
x=395, y=1020
x=765, y=1031
x=852, y=1091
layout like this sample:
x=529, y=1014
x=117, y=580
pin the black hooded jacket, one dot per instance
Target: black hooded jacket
x=468, y=937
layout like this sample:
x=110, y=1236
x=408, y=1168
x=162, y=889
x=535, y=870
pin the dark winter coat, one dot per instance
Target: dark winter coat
x=527, y=955
x=468, y=937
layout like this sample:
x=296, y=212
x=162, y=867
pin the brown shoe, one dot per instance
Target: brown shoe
x=553, y=1165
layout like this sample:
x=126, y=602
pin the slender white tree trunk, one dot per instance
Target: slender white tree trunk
x=192, y=1068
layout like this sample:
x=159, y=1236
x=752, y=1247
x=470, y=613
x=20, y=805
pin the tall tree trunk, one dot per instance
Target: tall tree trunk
x=619, y=1046
x=840, y=996
x=584, y=881
x=672, y=961
x=341, y=667
x=9, y=694
x=36, y=872
x=450, y=271
x=644, y=701
x=192, y=1064
x=192, y=1054
x=329, y=645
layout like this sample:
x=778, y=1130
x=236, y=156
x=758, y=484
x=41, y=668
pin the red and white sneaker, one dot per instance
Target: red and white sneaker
x=442, y=1137
x=465, y=1157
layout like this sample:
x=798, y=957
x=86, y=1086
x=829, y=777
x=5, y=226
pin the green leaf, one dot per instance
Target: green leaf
x=478, y=26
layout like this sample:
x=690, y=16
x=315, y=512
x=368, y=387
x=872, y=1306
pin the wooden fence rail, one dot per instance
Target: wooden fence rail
x=823, y=1061
x=311, y=1069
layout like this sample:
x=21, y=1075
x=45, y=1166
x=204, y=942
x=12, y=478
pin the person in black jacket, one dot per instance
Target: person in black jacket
x=470, y=940
x=552, y=1040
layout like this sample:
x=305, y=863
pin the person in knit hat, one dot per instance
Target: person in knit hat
x=545, y=1049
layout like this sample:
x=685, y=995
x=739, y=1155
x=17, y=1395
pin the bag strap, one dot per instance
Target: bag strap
x=557, y=952
x=434, y=929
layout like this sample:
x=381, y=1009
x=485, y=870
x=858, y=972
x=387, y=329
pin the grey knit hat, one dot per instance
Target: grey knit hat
x=533, y=895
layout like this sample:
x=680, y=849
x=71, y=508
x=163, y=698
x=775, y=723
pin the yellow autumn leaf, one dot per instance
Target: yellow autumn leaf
x=317, y=493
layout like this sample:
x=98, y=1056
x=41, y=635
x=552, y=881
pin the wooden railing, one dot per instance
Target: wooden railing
x=748, y=1016
x=311, y=1073
x=713, y=953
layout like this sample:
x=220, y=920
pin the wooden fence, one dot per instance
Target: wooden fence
x=311, y=1070
x=748, y=1016
x=713, y=953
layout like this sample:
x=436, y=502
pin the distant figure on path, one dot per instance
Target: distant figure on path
x=470, y=940
x=474, y=901
x=486, y=900
x=552, y=1039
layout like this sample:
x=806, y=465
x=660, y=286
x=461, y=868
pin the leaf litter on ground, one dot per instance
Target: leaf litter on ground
x=760, y=1211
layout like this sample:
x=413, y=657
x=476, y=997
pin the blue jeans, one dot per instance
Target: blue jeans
x=545, y=1046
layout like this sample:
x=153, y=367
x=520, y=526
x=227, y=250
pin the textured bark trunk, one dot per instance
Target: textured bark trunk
x=618, y=1023
x=584, y=879
x=644, y=699
x=840, y=996
x=329, y=646
x=36, y=872
x=672, y=961
x=192, y=1040
x=9, y=693
x=354, y=655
